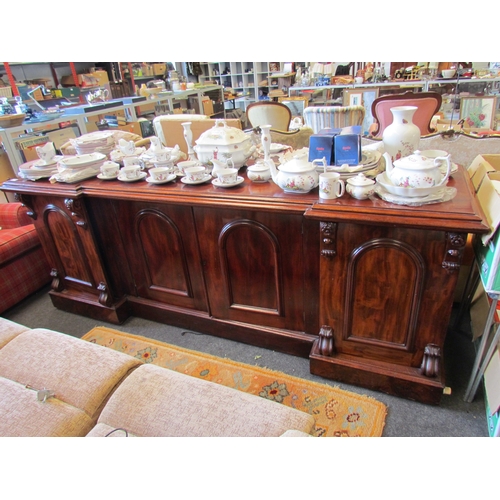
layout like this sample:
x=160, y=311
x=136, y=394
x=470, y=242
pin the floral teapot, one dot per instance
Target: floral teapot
x=417, y=171
x=297, y=175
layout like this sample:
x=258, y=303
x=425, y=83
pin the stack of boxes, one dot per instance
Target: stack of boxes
x=485, y=175
x=339, y=146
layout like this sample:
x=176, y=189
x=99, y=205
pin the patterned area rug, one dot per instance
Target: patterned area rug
x=338, y=413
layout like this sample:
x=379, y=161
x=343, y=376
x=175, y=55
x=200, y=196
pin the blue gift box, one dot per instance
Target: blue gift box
x=347, y=149
x=321, y=145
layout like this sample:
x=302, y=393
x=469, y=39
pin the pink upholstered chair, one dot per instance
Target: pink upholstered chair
x=428, y=104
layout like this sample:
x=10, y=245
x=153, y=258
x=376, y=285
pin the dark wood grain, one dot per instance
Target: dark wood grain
x=257, y=265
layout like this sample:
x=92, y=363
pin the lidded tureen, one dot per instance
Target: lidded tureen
x=223, y=142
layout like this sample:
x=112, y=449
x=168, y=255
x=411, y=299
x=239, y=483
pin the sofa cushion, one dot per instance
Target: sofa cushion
x=22, y=415
x=80, y=373
x=14, y=242
x=158, y=402
x=13, y=215
x=9, y=330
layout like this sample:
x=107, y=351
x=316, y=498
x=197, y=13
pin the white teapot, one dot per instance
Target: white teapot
x=417, y=171
x=297, y=175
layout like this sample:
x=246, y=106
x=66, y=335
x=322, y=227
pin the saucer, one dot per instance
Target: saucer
x=171, y=177
x=217, y=183
x=207, y=177
x=124, y=179
x=107, y=178
x=44, y=164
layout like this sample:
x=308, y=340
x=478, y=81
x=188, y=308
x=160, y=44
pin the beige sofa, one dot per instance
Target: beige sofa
x=52, y=384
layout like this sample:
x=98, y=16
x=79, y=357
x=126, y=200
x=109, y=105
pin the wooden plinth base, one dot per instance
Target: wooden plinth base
x=401, y=381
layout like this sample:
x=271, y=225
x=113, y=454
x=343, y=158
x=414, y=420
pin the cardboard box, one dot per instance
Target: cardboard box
x=174, y=132
x=208, y=106
x=492, y=390
x=485, y=173
x=6, y=171
x=101, y=76
x=61, y=136
x=159, y=69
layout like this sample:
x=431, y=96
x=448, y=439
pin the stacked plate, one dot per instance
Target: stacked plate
x=411, y=196
x=79, y=167
x=368, y=166
x=38, y=169
x=95, y=142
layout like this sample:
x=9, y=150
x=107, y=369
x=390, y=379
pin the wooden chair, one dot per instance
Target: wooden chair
x=320, y=117
x=271, y=113
x=428, y=104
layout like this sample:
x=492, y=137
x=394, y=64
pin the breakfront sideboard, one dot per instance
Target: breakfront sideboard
x=364, y=289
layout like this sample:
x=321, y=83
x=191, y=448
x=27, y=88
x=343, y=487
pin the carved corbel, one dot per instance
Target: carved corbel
x=74, y=206
x=104, y=297
x=455, y=245
x=325, y=342
x=432, y=360
x=57, y=284
x=22, y=199
x=328, y=239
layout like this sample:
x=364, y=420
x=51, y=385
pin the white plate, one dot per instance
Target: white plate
x=94, y=137
x=82, y=160
x=446, y=194
x=207, y=177
x=43, y=164
x=107, y=178
x=217, y=183
x=276, y=148
x=170, y=178
x=124, y=179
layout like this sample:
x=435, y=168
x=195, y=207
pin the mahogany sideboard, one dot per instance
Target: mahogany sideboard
x=364, y=289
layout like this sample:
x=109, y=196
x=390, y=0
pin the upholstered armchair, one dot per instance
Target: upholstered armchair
x=271, y=113
x=320, y=117
x=23, y=265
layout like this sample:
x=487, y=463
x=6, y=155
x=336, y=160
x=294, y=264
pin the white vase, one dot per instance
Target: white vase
x=402, y=136
x=188, y=136
x=266, y=141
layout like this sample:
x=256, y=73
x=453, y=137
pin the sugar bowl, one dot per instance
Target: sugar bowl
x=360, y=186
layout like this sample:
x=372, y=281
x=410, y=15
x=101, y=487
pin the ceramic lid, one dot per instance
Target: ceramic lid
x=221, y=133
x=360, y=180
x=297, y=164
x=415, y=160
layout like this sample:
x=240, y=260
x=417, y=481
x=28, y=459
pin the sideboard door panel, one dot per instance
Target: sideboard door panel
x=160, y=242
x=382, y=290
x=254, y=266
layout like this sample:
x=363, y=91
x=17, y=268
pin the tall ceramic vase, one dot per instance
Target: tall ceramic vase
x=402, y=136
x=188, y=136
x=266, y=140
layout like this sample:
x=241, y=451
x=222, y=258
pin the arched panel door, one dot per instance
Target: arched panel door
x=254, y=266
x=161, y=245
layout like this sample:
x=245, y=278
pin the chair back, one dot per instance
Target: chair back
x=428, y=104
x=271, y=113
x=320, y=117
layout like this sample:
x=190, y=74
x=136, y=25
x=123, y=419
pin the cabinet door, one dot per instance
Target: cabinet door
x=69, y=243
x=162, y=251
x=385, y=291
x=254, y=266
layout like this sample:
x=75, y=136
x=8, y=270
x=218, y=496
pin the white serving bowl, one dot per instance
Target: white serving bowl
x=406, y=192
x=448, y=73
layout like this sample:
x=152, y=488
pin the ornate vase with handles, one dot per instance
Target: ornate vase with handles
x=401, y=138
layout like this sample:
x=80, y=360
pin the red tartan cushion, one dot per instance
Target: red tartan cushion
x=13, y=215
x=15, y=242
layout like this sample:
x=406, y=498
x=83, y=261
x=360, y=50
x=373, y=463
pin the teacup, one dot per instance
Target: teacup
x=46, y=152
x=160, y=173
x=227, y=175
x=129, y=161
x=182, y=165
x=195, y=174
x=330, y=185
x=435, y=153
x=131, y=171
x=110, y=169
x=161, y=155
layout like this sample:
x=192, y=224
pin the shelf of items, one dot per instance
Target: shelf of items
x=10, y=136
x=251, y=80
